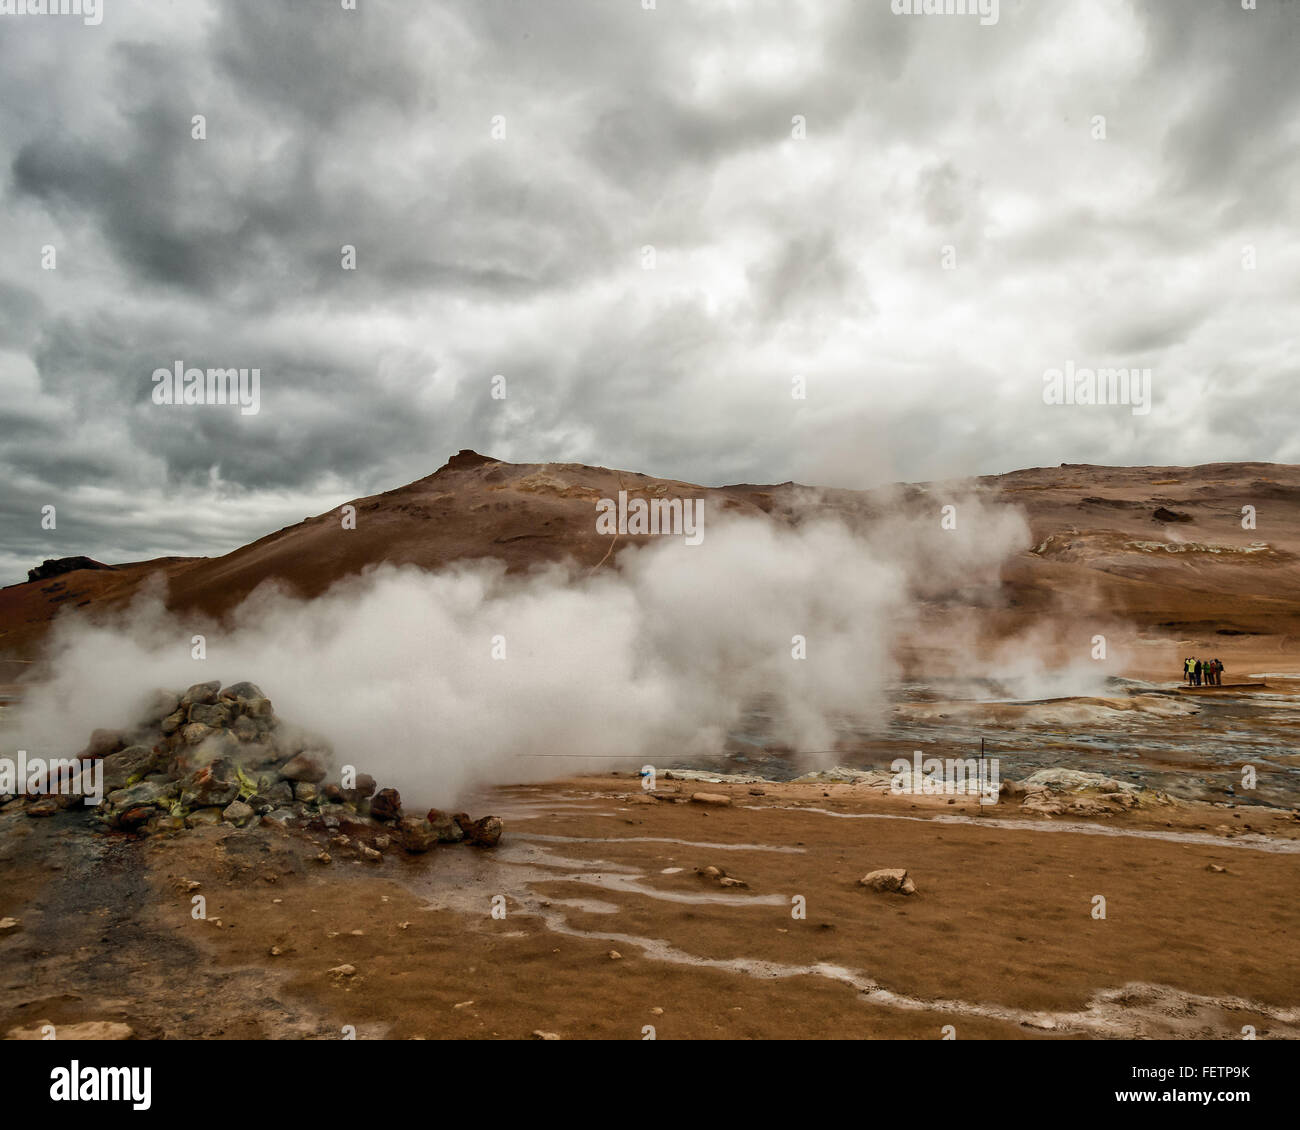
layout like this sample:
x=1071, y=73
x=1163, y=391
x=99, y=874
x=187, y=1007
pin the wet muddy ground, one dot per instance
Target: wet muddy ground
x=1191, y=746
x=590, y=920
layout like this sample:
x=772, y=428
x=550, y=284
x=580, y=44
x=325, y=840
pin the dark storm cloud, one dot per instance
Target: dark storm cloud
x=774, y=255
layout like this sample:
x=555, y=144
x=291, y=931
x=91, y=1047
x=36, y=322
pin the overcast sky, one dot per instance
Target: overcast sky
x=775, y=255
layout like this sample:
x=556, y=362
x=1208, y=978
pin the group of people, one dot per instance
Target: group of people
x=1203, y=672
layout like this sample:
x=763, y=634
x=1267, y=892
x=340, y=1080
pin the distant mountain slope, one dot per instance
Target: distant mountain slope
x=1164, y=547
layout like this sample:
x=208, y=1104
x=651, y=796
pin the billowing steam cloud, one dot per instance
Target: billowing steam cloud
x=441, y=682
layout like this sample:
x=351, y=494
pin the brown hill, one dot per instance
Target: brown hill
x=1160, y=547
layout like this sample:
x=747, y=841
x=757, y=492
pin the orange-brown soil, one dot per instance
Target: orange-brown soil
x=1000, y=940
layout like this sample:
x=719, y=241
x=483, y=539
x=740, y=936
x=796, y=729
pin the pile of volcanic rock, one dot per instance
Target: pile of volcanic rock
x=213, y=756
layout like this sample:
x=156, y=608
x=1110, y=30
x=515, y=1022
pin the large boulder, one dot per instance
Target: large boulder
x=155, y=791
x=241, y=692
x=210, y=714
x=201, y=692
x=212, y=786
x=130, y=765
x=102, y=743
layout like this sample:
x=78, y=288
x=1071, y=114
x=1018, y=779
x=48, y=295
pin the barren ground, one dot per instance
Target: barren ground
x=999, y=941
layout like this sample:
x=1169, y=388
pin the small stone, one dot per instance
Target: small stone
x=201, y=692
x=727, y=881
x=344, y=971
x=718, y=799
x=614, y=955
x=480, y=833
x=369, y=853
x=213, y=785
x=46, y=806
x=237, y=813
x=538, y=1034
x=386, y=805
x=260, y=710
x=192, y=733
x=209, y=714
x=1216, y=868
x=416, y=835
x=242, y=692
x=364, y=787
x=276, y=951
x=85, y=1030
x=202, y=817
x=445, y=827
x=276, y=793
x=304, y=767
x=9, y=925
x=172, y=723
x=324, y=857
x=889, y=879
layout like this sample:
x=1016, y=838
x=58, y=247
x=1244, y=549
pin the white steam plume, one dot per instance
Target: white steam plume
x=651, y=661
